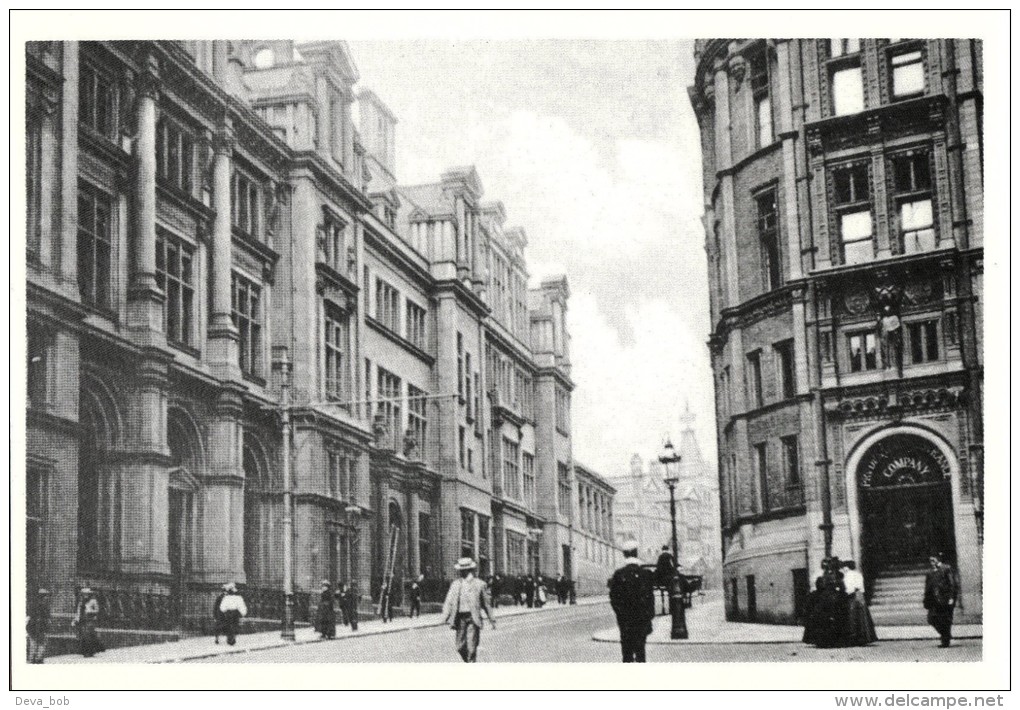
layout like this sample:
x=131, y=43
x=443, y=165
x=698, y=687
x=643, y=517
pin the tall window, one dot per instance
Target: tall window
x=415, y=324
x=467, y=533
x=785, y=372
x=907, y=73
x=246, y=310
x=35, y=523
x=562, y=410
x=40, y=344
x=387, y=305
x=511, y=471
x=389, y=400
x=342, y=474
x=460, y=366
x=754, y=384
x=335, y=347
x=94, y=246
x=484, y=547
x=33, y=185
x=368, y=389
x=97, y=101
x=791, y=460
x=923, y=337
x=516, y=553
x=761, y=464
x=175, y=151
x=417, y=417
x=244, y=204
x=462, y=446
x=563, y=487
x=468, y=391
x=852, y=190
x=764, y=134
x=334, y=247
x=847, y=90
x=863, y=351
x=174, y=277
x=768, y=239
x=912, y=182
x=528, y=476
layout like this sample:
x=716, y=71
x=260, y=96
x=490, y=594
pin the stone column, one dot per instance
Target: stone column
x=68, y=238
x=220, y=523
x=223, y=339
x=724, y=160
x=413, y=507
x=145, y=300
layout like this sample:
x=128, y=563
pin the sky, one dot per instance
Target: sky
x=593, y=148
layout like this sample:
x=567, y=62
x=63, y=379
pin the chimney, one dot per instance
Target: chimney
x=378, y=130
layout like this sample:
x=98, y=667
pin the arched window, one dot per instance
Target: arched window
x=256, y=534
x=98, y=491
x=185, y=456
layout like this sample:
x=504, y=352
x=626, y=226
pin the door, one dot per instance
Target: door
x=568, y=567
x=178, y=547
x=752, y=599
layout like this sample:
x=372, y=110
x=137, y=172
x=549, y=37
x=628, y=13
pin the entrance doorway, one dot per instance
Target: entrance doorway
x=906, y=505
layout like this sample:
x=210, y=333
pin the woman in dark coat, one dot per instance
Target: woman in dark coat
x=325, y=619
x=812, y=617
x=829, y=610
x=85, y=618
x=350, y=597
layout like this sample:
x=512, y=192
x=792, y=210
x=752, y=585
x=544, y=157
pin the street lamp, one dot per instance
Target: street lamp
x=670, y=459
x=281, y=361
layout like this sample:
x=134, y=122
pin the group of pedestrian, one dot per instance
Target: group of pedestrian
x=532, y=591
x=837, y=613
x=342, y=599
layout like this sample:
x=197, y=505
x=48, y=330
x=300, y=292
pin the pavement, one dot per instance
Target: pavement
x=197, y=648
x=706, y=624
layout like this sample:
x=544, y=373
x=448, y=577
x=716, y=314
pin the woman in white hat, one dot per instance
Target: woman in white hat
x=233, y=608
x=85, y=617
x=462, y=610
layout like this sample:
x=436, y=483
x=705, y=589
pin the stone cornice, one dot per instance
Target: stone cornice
x=465, y=295
x=324, y=173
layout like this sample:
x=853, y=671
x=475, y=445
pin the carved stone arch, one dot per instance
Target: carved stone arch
x=186, y=448
x=99, y=411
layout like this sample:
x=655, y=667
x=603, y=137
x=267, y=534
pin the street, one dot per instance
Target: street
x=566, y=636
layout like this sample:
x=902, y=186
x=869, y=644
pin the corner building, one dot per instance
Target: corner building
x=844, y=231
x=193, y=207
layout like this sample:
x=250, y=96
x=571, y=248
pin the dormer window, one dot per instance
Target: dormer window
x=907, y=69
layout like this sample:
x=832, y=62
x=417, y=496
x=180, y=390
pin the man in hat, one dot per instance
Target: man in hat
x=416, y=592
x=941, y=596
x=233, y=608
x=219, y=627
x=462, y=610
x=633, y=600
x=38, y=625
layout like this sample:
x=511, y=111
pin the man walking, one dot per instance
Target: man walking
x=462, y=610
x=219, y=628
x=941, y=596
x=38, y=626
x=416, y=596
x=633, y=602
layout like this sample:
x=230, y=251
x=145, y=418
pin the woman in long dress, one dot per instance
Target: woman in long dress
x=860, y=629
x=325, y=620
x=85, y=619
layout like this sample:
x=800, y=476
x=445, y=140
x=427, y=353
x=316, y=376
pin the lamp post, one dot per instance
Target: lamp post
x=670, y=459
x=281, y=360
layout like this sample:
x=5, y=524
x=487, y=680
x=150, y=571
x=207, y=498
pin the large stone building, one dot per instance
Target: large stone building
x=193, y=207
x=844, y=230
x=641, y=508
x=597, y=553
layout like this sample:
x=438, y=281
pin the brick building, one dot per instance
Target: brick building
x=844, y=228
x=192, y=207
x=594, y=543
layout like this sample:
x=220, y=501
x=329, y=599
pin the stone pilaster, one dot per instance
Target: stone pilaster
x=223, y=338
x=413, y=508
x=220, y=519
x=145, y=300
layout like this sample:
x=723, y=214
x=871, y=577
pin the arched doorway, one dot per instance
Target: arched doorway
x=904, y=487
x=99, y=497
x=185, y=463
x=254, y=492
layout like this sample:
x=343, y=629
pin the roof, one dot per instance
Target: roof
x=594, y=475
x=430, y=199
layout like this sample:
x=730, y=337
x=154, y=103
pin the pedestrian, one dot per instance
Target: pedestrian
x=219, y=627
x=665, y=569
x=497, y=588
x=338, y=600
x=38, y=626
x=561, y=590
x=941, y=596
x=529, y=591
x=860, y=628
x=830, y=608
x=633, y=600
x=86, y=617
x=350, y=605
x=325, y=617
x=416, y=592
x=386, y=602
x=462, y=610
x=541, y=595
x=233, y=608
x=812, y=613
